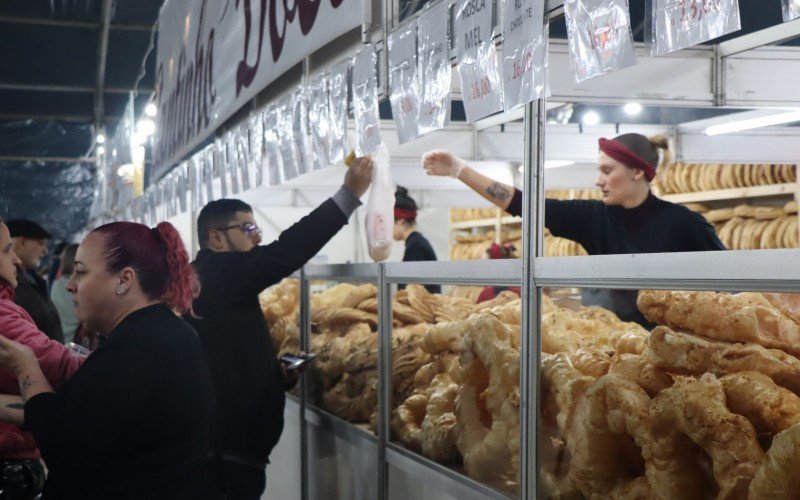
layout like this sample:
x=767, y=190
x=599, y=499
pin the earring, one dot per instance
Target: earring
x=121, y=289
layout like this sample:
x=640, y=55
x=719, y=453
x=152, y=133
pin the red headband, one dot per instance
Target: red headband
x=622, y=154
x=402, y=213
x=495, y=252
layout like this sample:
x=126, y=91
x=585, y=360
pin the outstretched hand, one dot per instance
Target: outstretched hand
x=359, y=175
x=441, y=162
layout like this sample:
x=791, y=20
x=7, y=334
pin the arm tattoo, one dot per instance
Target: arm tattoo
x=27, y=383
x=498, y=191
x=16, y=406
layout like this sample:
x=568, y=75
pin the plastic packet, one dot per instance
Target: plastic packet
x=524, y=51
x=319, y=118
x=221, y=167
x=481, y=83
x=404, y=81
x=183, y=186
x=243, y=158
x=300, y=131
x=434, y=67
x=195, y=176
x=791, y=9
x=272, y=147
x=365, y=101
x=255, y=137
x=232, y=160
x=286, y=138
x=380, y=208
x=337, y=101
x=208, y=173
x=672, y=25
x=600, y=39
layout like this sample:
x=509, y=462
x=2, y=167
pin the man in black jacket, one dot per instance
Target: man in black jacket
x=32, y=294
x=249, y=381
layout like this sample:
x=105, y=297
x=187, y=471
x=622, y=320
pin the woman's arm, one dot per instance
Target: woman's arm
x=21, y=361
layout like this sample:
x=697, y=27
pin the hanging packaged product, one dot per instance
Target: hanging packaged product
x=272, y=147
x=286, y=138
x=478, y=67
x=232, y=161
x=791, y=9
x=183, y=186
x=221, y=168
x=319, y=118
x=337, y=103
x=300, y=130
x=243, y=158
x=255, y=138
x=433, y=51
x=208, y=156
x=524, y=51
x=195, y=178
x=404, y=81
x=672, y=25
x=600, y=39
x=380, y=208
x=365, y=101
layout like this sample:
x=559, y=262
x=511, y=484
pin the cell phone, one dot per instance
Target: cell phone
x=296, y=361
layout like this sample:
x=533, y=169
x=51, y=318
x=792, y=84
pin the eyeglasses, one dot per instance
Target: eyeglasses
x=249, y=228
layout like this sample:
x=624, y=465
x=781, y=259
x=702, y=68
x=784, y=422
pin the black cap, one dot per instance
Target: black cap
x=27, y=229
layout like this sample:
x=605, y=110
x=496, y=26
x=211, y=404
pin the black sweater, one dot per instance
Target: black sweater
x=655, y=226
x=418, y=248
x=134, y=421
x=31, y=295
x=248, y=382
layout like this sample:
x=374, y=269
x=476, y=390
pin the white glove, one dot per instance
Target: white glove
x=440, y=162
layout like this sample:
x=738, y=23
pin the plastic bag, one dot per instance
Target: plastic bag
x=404, y=81
x=286, y=138
x=232, y=160
x=600, y=39
x=791, y=10
x=672, y=25
x=300, y=131
x=434, y=67
x=380, y=208
x=337, y=100
x=319, y=117
x=365, y=101
x=524, y=51
x=272, y=147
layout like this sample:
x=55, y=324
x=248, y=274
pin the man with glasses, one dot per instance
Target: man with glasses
x=234, y=268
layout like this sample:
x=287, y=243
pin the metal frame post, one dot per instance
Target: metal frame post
x=305, y=330
x=384, y=379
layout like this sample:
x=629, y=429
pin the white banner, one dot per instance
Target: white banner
x=214, y=56
x=676, y=24
x=524, y=51
x=434, y=67
x=404, y=81
x=365, y=101
x=791, y=9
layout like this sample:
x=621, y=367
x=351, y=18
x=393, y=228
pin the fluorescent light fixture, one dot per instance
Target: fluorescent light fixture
x=751, y=123
x=150, y=110
x=101, y=138
x=632, y=108
x=552, y=164
x=101, y=150
x=146, y=126
x=590, y=118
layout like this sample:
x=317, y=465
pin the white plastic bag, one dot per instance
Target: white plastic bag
x=380, y=208
x=791, y=10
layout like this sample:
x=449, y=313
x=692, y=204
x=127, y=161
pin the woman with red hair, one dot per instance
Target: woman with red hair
x=145, y=394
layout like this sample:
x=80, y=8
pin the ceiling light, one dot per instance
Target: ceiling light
x=146, y=126
x=101, y=150
x=150, y=110
x=137, y=139
x=552, y=164
x=632, y=108
x=101, y=138
x=590, y=118
x=751, y=123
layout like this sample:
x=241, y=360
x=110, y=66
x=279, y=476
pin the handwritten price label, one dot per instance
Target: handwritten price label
x=522, y=66
x=694, y=10
x=482, y=88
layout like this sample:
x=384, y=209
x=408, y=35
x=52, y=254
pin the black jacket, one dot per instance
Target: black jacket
x=418, y=248
x=135, y=420
x=244, y=367
x=31, y=294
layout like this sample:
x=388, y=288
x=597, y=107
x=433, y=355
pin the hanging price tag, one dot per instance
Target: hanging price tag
x=272, y=147
x=255, y=137
x=337, y=102
x=791, y=10
x=243, y=158
x=232, y=161
x=221, y=167
x=524, y=51
x=403, y=81
x=319, y=121
x=600, y=39
x=676, y=24
x=365, y=101
x=286, y=138
x=208, y=173
x=300, y=130
x=434, y=67
x=477, y=59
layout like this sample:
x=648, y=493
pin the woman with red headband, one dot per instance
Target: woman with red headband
x=418, y=248
x=145, y=394
x=629, y=219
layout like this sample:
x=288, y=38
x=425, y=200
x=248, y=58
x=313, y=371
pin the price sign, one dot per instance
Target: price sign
x=403, y=81
x=365, y=101
x=434, y=67
x=600, y=39
x=791, y=10
x=481, y=86
x=524, y=51
x=337, y=102
x=677, y=24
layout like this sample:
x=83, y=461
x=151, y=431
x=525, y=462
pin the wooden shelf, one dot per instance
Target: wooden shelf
x=469, y=224
x=736, y=193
